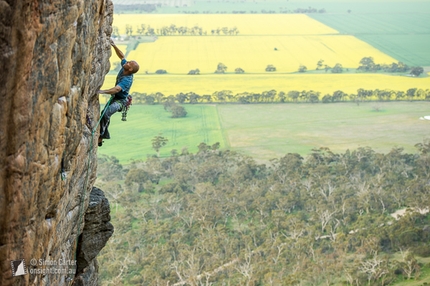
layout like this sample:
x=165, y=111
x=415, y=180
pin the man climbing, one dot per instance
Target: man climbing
x=123, y=83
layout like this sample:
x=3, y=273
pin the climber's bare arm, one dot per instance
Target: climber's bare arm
x=112, y=90
x=117, y=51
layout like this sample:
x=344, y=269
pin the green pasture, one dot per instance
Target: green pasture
x=405, y=37
x=412, y=49
x=267, y=131
x=131, y=139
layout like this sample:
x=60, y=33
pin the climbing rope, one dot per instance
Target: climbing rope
x=82, y=194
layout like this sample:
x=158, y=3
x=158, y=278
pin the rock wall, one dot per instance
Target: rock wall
x=54, y=56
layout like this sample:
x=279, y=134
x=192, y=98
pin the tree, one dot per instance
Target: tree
x=320, y=64
x=128, y=30
x=168, y=104
x=115, y=31
x=281, y=96
x=149, y=99
x=158, y=142
x=337, y=68
x=269, y=96
x=302, y=68
x=338, y=95
x=194, y=72
x=193, y=97
x=409, y=266
x=270, y=68
x=410, y=93
x=239, y=70
x=294, y=95
x=327, y=98
x=367, y=64
x=138, y=176
x=141, y=29
x=181, y=97
x=223, y=95
x=416, y=71
x=178, y=111
x=221, y=68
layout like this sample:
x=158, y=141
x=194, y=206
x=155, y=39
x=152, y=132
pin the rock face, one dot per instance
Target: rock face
x=97, y=230
x=54, y=56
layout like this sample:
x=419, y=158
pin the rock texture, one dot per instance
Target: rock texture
x=54, y=56
x=97, y=230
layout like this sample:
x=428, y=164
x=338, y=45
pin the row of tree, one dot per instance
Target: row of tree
x=221, y=218
x=367, y=64
x=282, y=10
x=149, y=8
x=272, y=96
x=173, y=30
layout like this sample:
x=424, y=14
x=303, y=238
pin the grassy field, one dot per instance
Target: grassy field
x=324, y=83
x=132, y=139
x=267, y=131
x=404, y=37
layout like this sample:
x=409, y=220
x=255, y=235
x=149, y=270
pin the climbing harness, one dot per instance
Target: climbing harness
x=82, y=193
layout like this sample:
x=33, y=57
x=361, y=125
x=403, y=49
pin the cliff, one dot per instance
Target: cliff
x=54, y=56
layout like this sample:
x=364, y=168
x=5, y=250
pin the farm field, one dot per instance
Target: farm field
x=410, y=49
x=178, y=55
x=300, y=40
x=267, y=131
x=132, y=139
x=324, y=83
x=405, y=37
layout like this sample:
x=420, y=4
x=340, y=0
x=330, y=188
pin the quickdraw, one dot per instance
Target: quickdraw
x=126, y=107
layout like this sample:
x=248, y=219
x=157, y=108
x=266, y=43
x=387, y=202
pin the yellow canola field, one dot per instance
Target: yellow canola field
x=178, y=55
x=324, y=83
x=247, y=24
x=299, y=40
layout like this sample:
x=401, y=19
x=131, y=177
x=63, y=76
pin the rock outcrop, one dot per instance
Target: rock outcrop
x=97, y=230
x=54, y=56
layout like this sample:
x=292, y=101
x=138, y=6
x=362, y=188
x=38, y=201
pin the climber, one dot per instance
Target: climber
x=119, y=93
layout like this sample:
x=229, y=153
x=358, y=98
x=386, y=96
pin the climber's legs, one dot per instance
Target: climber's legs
x=104, y=122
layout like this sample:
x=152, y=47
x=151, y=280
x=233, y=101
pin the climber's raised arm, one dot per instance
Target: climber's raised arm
x=118, y=52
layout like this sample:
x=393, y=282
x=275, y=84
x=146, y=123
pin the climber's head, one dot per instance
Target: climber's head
x=131, y=67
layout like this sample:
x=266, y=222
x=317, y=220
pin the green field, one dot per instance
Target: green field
x=405, y=37
x=267, y=131
x=132, y=139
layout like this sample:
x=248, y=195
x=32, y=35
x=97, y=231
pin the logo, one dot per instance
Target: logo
x=18, y=267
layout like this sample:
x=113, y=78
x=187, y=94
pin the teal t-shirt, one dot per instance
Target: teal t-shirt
x=124, y=81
